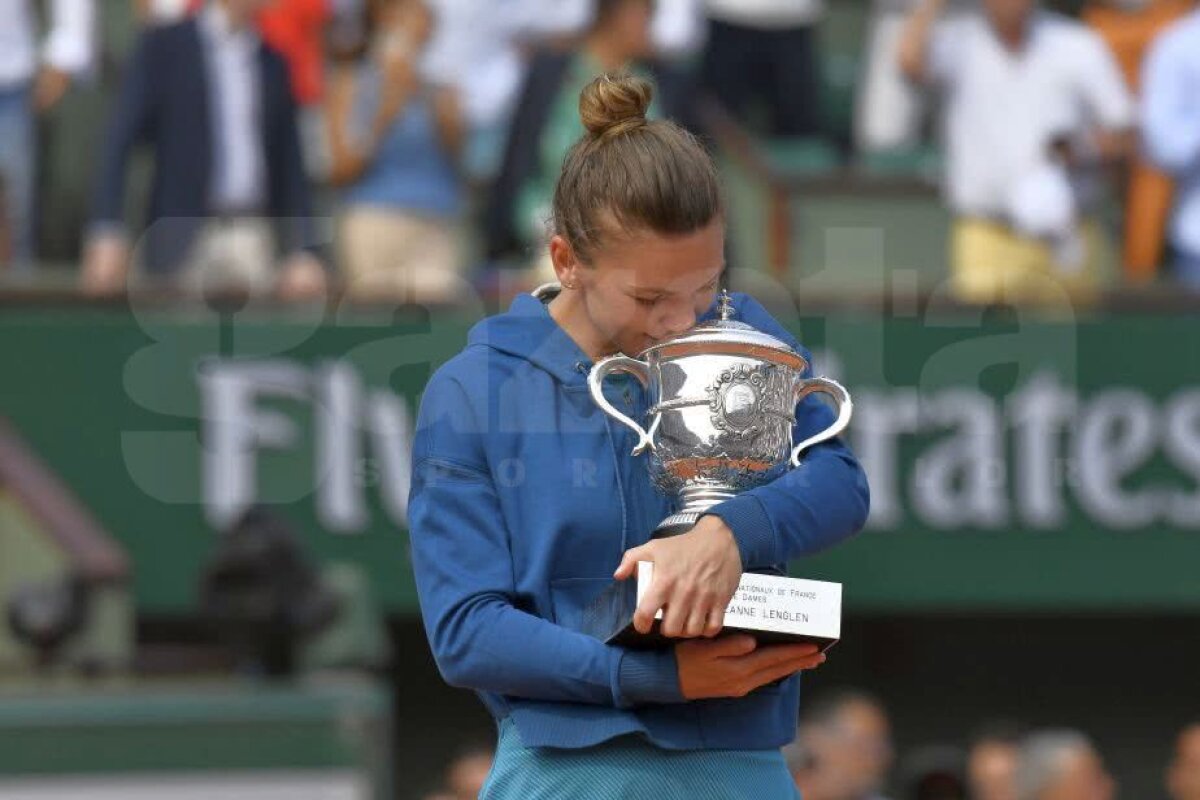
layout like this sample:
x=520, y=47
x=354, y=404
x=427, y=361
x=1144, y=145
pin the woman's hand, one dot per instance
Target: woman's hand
x=734, y=666
x=695, y=576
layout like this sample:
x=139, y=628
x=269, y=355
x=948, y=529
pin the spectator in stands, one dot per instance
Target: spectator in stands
x=933, y=772
x=1034, y=108
x=1171, y=133
x=214, y=104
x=1128, y=27
x=764, y=52
x=483, y=54
x=163, y=12
x=294, y=29
x=466, y=774
x=843, y=748
x=1183, y=775
x=32, y=82
x=992, y=763
x=1061, y=765
x=891, y=112
x=546, y=124
x=679, y=28
x=395, y=142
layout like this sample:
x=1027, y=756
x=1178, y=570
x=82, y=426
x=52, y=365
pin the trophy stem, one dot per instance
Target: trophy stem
x=702, y=498
x=695, y=501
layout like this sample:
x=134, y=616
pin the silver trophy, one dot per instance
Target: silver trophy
x=723, y=398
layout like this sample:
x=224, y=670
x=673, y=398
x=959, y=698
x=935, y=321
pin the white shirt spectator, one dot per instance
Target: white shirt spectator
x=678, y=28
x=231, y=55
x=890, y=110
x=767, y=13
x=476, y=44
x=1003, y=109
x=475, y=47
x=69, y=44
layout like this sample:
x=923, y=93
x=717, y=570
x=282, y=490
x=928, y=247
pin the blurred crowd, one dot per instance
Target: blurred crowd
x=845, y=751
x=396, y=147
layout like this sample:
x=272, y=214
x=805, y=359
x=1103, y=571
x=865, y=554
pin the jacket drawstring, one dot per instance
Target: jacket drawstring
x=612, y=444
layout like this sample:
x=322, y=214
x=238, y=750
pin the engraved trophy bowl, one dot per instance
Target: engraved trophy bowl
x=723, y=397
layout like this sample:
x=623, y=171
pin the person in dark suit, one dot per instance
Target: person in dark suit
x=213, y=102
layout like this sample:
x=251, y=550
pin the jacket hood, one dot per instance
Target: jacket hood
x=527, y=331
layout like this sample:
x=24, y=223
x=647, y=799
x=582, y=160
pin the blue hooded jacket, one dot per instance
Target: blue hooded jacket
x=524, y=498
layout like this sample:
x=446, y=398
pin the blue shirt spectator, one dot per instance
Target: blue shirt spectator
x=411, y=168
x=1171, y=132
x=395, y=141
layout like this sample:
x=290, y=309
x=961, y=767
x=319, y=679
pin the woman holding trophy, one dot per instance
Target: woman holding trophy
x=527, y=503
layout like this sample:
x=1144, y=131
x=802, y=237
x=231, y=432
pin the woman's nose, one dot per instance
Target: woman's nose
x=678, y=317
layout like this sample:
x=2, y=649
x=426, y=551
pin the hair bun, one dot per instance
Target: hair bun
x=614, y=103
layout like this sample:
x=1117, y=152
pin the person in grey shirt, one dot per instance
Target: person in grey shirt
x=1062, y=765
x=843, y=748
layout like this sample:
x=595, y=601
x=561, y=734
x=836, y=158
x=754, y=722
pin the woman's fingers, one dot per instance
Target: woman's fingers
x=715, y=622
x=734, y=665
x=678, y=607
x=732, y=646
x=693, y=614
x=697, y=622
x=784, y=668
x=765, y=658
x=657, y=596
x=723, y=647
x=628, y=566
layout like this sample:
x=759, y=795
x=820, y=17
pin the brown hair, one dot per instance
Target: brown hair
x=647, y=175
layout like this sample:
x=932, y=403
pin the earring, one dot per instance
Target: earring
x=568, y=286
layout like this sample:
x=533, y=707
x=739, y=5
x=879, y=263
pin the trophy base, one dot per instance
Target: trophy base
x=774, y=609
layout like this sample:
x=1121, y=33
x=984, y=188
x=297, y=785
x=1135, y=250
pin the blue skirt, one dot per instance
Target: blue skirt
x=630, y=768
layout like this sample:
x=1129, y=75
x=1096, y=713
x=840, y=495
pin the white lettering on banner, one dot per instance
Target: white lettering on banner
x=237, y=427
x=339, y=448
x=1039, y=412
x=1117, y=435
x=960, y=480
x=879, y=420
x=976, y=461
x=1182, y=441
x=1061, y=445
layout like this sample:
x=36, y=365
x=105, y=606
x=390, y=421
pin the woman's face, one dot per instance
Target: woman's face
x=641, y=287
x=631, y=22
x=411, y=19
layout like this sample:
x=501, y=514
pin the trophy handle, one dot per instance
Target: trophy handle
x=631, y=366
x=845, y=407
